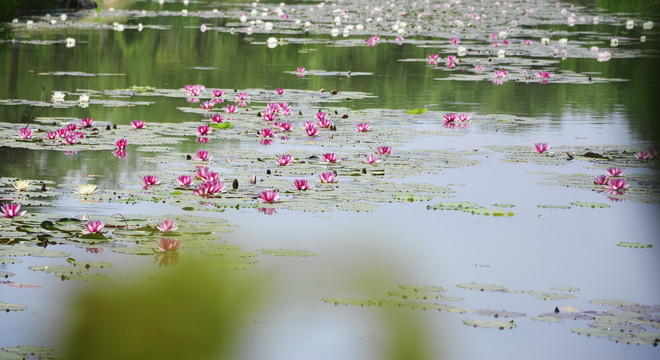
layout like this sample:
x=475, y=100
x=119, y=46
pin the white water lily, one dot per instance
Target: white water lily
x=563, y=41
x=614, y=42
x=58, y=96
x=630, y=24
x=70, y=42
x=647, y=25
x=642, y=39
x=545, y=41
x=461, y=51
x=83, y=98
x=29, y=23
x=86, y=189
x=21, y=185
x=501, y=53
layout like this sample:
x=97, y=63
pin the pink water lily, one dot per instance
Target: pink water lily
x=309, y=124
x=207, y=105
x=230, y=109
x=71, y=138
x=194, y=90
x=284, y=108
x=449, y=119
x=94, y=227
x=385, y=150
x=329, y=157
x=138, y=124
x=72, y=127
x=185, y=180
x=325, y=123
x=167, y=225
x=451, y=61
x=284, y=160
x=312, y=131
x=643, y=155
x=478, y=68
x=25, y=133
x=267, y=133
x=210, y=188
x=202, y=140
x=283, y=126
x=371, y=159
x=527, y=42
x=217, y=118
x=433, y=59
x=279, y=91
x=364, y=127
x=617, y=184
x=202, y=155
x=121, y=144
x=87, y=122
x=217, y=101
x=463, y=117
x=615, y=171
x=541, y=147
x=270, y=115
x=203, y=130
x=204, y=173
x=167, y=245
x=217, y=92
x=301, y=185
x=500, y=74
x=601, y=180
x=149, y=180
x=373, y=40
x=320, y=115
x=328, y=178
x=242, y=97
x=11, y=210
x=544, y=75
x=269, y=196
x=50, y=135
x=454, y=41
x=301, y=71
x=62, y=132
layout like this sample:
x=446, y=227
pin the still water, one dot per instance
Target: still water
x=546, y=244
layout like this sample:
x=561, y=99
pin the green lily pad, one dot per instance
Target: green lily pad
x=30, y=251
x=285, y=252
x=634, y=245
x=416, y=111
x=501, y=325
x=11, y=307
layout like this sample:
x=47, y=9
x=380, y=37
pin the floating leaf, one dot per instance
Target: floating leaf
x=11, y=307
x=416, y=111
x=501, y=325
x=634, y=245
x=285, y=252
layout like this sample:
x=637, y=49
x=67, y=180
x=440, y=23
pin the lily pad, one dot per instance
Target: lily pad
x=285, y=252
x=501, y=325
x=11, y=307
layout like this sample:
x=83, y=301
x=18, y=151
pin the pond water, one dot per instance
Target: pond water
x=570, y=268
